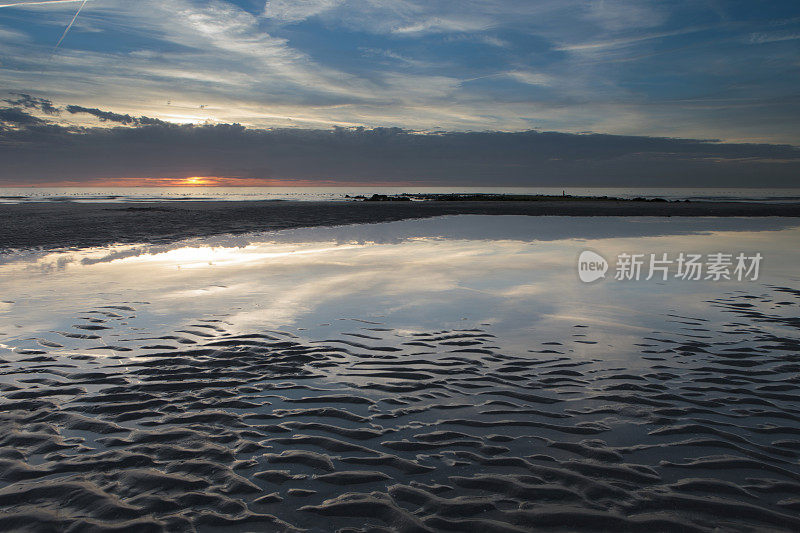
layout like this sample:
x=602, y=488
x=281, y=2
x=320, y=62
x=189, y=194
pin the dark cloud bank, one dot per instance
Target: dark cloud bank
x=34, y=149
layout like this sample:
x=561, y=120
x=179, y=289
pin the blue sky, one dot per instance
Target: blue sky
x=702, y=69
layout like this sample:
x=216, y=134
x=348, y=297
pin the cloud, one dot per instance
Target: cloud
x=152, y=151
x=27, y=101
x=15, y=117
x=108, y=116
x=297, y=10
x=774, y=37
x=452, y=24
x=627, y=41
x=531, y=78
x=624, y=67
x=625, y=14
x=13, y=36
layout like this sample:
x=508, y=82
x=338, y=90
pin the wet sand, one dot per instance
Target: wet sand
x=388, y=430
x=435, y=375
x=67, y=224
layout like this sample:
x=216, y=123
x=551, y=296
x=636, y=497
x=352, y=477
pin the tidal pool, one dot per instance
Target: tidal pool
x=444, y=374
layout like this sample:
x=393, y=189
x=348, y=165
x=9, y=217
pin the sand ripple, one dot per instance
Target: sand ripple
x=424, y=431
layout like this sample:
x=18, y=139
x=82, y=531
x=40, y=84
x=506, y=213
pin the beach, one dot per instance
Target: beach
x=58, y=224
x=440, y=374
x=399, y=267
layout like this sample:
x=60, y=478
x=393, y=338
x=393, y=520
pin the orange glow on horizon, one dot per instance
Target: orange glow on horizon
x=196, y=181
x=214, y=181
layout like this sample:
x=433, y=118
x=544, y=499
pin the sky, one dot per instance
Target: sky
x=545, y=92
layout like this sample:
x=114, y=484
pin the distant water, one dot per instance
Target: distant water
x=156, y=194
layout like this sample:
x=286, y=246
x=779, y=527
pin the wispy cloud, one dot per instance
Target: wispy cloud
x=618, y=15
x=776, y=37
x=616, y=66
x=451, y=24
x=531, y=78
x=627, y=41
x=294, y=11
x=13, y=36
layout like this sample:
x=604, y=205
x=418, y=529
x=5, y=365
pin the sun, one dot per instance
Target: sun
x=198, y=181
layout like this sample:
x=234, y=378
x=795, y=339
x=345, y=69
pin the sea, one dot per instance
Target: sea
x=19, y=195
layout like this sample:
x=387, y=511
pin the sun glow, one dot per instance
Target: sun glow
x=212, y=181
x=198, y=181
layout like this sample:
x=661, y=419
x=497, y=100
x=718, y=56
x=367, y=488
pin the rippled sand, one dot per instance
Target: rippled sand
x=432, y=431
x=105, y=425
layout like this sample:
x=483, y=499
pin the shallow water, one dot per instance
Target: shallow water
x=446, y=374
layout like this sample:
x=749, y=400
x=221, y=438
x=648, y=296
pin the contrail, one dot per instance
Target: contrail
x=71, y=22
x=41, y=3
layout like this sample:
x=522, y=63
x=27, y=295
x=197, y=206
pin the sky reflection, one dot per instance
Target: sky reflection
x=514, y=276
